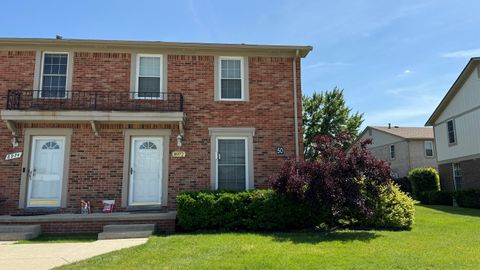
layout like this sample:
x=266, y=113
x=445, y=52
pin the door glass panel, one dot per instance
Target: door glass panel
x=147, y=171
x=231, y=164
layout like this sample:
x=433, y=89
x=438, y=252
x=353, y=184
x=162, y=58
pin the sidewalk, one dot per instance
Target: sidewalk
x=47, y=256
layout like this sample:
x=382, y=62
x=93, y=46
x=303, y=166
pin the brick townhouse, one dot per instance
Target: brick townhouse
x=139, y=122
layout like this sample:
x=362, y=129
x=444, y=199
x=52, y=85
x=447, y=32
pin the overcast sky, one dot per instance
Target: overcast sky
x=394, y=59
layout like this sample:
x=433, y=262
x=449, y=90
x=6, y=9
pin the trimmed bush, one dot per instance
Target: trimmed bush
x=468, y=198
x=423, y=179
x=404, y=184
x=257, y=210
x=394, y=209
x=436, y=197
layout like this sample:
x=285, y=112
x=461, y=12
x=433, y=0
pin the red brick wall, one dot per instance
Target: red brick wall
x=96, y=162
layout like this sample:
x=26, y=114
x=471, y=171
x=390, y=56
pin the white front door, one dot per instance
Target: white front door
x=45, y=172
x=146, y=171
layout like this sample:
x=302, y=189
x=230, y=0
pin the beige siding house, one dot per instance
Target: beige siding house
x=456, y=122
x=404, y=148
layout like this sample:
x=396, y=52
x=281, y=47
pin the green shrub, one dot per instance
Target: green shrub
x=393, y=210
x=468, y=198
x=423, y=179
x=245, y=210
x=404, y=184
x=436, y=197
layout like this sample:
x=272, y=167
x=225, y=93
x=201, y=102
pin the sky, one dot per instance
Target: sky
x=395, y=60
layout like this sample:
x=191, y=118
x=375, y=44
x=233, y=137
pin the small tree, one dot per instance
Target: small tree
x=326, y=113
x=342, y=183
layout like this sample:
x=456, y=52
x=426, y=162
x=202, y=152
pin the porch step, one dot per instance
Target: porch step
x=126, y=231
x=19, y=232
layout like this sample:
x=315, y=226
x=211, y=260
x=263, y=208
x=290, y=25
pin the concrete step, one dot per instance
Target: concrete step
x=19, y=228
x=124, y=235
x=129, y=228
x=19, y=232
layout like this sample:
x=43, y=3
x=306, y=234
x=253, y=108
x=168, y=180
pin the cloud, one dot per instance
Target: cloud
x=462, y=53
x=326, y=64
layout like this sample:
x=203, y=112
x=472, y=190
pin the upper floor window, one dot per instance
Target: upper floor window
x=53, y=79
x=428, y=148
x=231, y=78
x=392, y=151
x=452, y=136
x=149, y=76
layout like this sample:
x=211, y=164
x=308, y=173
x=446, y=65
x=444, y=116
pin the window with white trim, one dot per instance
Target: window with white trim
x=392, y=151
x=452, y=136
x=457, y=175
x=428, y=148
x=149, y=77
x=53, y=79
x=231, y=78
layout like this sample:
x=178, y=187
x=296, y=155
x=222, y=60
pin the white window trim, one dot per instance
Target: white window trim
x=247, y=177
x=242, y=77
x=66, y=75
x=425, y=148
x=137, y=71
x=453, y=174
x=454, y=132
x=394, y=152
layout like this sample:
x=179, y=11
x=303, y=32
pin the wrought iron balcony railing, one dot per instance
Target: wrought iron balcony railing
x=94, y=100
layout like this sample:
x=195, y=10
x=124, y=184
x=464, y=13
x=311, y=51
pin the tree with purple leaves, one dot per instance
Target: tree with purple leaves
x=344, y=184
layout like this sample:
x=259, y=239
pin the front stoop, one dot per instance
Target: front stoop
x=126, y=231
x=19, y=232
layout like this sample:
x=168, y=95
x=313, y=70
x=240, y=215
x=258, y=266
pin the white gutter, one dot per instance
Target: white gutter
x=295, y=106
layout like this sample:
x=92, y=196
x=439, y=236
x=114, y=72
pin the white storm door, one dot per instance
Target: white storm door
x=45, y=172
x=146, y=162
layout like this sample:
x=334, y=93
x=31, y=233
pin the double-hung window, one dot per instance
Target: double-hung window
x=231, y=78
x=428, y=148
x=392, y=151
x=53, y=79
x=452, y=136
x=457, y=176
x=149, y=77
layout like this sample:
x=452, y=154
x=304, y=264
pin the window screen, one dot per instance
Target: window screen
x=457, y=176
x=429, y=149
x=54, y=75
x=231, y=164
x=451, y=132
x=392, y=151
x=149, y=77
x=231, y=79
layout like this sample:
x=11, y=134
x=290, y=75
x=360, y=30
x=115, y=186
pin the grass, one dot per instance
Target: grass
x=65, y=238
x=442, y=238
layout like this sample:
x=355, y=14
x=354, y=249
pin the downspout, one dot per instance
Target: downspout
x=295, y=106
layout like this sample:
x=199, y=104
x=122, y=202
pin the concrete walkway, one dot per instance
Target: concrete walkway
x=47, y=256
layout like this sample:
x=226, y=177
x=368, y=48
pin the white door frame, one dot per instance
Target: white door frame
x=132, y=172
x=246, y=159
x=30, y=170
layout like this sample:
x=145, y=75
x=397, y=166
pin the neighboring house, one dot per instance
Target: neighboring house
x=456, y=122
x=405, y=148
x=140, y=122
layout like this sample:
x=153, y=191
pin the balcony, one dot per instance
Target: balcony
x=38, y=100
x=93, y=107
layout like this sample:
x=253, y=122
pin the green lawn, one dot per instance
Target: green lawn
x=68, y=238
x=442, y=238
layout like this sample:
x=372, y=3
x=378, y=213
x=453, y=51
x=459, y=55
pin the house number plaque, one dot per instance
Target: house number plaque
x=178, y=154
x=280, y=151
x=13, y=155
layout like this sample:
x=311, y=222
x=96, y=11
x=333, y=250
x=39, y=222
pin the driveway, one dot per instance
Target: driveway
x=47, y=256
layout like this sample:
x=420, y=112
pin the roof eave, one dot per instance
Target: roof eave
x=289, y=49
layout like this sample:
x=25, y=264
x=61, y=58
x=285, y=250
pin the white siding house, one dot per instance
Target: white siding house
x=404, y=148
x=456, y=123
